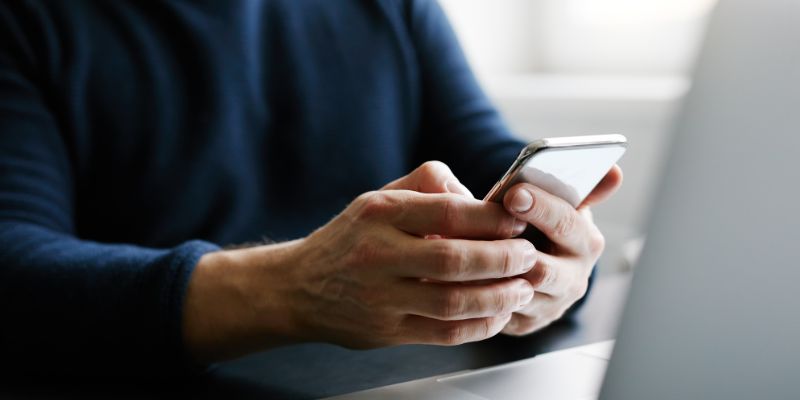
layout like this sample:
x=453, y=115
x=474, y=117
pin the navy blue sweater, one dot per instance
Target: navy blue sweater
x=137, y=136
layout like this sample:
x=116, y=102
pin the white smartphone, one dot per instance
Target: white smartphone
x=568, y=167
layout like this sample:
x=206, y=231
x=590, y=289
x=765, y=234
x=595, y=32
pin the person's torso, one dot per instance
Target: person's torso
x=228, y=121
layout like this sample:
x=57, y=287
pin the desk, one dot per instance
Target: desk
x=319, y=370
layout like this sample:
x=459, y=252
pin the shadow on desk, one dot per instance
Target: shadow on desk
x=317, y=370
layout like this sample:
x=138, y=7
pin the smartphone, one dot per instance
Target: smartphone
x=568, y=167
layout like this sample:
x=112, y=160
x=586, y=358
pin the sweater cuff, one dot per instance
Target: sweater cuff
x=181, y=262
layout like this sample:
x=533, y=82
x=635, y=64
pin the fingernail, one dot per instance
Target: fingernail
x=454, y=186
x=519, y=227
x=522, y=201
x=529, y=260
x=525, y=296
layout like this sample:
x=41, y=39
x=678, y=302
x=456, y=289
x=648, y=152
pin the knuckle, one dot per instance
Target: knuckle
x=504, y=227
x=450, y=260
x=454, y=334
x=581, y=288
x=565, y=223
x=540, y=210
x=365, y=197
x=507, y=263
x=501, y=301
x=454, y=304
x=540, y=275
x=374, y=204
x=529, y=308
x=449, y=213
x=597, y=242
x=487, y=328
x=524, y=325
x=387, y=331
x=578, y=288
x=433, y=169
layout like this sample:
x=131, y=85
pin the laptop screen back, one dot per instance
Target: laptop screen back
x=714, y=310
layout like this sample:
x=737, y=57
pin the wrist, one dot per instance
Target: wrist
x=237, y=303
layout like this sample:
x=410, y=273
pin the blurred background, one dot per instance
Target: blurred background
x=580, y=67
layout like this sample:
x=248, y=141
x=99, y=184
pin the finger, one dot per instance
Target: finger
x=459, y=260
x=556, y=276
x=545, y=277
x=430, y=177
x=553, y=216
x=520, y=324
x=545, y=304
x=451, y=216
x=607, y=187
x=450, y=333
x=449, y=302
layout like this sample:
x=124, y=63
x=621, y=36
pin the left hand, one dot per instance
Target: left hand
x=561, y=274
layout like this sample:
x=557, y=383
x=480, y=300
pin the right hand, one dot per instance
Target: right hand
x=369, y=278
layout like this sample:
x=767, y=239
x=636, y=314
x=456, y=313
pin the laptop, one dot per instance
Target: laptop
x=714, y=308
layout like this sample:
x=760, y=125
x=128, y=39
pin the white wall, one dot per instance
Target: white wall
x=578, y=67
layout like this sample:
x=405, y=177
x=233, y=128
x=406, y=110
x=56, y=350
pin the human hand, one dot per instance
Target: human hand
x=372, y=279
x=560, y=276
x=552, y=298
x=369, y=277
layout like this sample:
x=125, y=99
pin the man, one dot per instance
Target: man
x=139, y=138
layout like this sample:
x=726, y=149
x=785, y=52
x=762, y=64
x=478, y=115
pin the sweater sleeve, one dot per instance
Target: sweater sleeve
x=73, y=306
x=460, y=126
